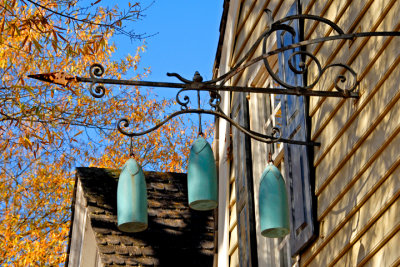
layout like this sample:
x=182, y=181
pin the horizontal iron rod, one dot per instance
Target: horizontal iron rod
x=348, y=36
x=210, y=87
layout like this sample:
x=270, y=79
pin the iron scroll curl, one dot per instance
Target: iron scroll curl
x=344, y=84
x=215, y=99
x=302, y=66
x=274, y=138
x=96, y=71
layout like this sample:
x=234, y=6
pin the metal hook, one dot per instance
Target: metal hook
x=198, y=103
x=197, y=78
x=131, y=148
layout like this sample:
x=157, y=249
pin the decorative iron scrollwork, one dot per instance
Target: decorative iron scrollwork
x=96, y=71
x=185, y=100
x=215, y=100
x=347, y=77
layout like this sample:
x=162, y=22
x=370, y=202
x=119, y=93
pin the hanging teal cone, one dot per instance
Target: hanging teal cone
x=132, y=198
x=273, y=204
x=202, y=177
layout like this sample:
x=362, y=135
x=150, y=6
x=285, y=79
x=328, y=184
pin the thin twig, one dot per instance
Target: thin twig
x=119, y=29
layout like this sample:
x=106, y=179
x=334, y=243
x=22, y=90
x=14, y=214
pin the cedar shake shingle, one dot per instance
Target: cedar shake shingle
x=176, y=235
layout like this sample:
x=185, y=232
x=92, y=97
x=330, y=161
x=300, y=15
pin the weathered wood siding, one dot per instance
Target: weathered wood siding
x=228, y=254
x=357, y=166
x=251, y=21
x=357, y=173
x=233, y=232
x=83, y=250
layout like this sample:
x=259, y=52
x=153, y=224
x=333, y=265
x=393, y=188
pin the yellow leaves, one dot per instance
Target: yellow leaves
x=24, y=41
x=62, y=37
x=51, y=129
x=28, y=141
x=37, y=45
x=3, y=60
x=54, y=42
x=78, y=133
x=2, y=23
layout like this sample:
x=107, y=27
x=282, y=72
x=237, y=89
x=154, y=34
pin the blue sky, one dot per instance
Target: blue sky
x=186, y=39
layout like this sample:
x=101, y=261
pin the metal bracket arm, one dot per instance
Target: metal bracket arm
x=345, y=83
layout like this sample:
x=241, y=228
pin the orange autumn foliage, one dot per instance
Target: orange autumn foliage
x=46, y=130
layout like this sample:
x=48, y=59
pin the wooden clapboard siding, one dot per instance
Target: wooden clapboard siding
x=364, y=247
x=223, y=137
x=384, y=193
x=376, y=73
x=258, y=115
x=366, y=184
x=255, y=25
x=245, y=37
x=358, y=131
x=333, y=104
x=233, y=217
x=233, y=232
x=375, y=234
x=340, y=13
x=246, y=8
x=248, y=26
x=259, y=25
x=358, y=163
x=233, y=240
x=374, y=143
x=234, y=259
x=251, y=23
x=364, y=226
x=232, y=252
x=383, y=255
x=339, y=7
x=369, y=47
x=340, y=52
x=349, y=23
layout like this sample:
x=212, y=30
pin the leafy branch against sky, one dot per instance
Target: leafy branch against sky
x=46, y=130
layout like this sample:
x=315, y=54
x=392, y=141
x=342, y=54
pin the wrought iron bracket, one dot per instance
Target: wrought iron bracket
x=341, y=82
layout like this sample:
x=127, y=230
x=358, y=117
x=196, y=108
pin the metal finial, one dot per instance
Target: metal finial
x=60, y=78
x=197, y=77
x=269, y=17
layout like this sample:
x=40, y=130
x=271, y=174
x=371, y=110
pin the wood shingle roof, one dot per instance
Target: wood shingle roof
x=176, y=235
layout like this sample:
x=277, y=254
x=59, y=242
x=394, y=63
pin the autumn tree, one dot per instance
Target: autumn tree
x=46, y=130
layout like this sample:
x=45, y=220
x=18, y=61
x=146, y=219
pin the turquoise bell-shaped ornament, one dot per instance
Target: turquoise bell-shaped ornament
x=202, y=177
x=132, y=198
x=273, y=204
